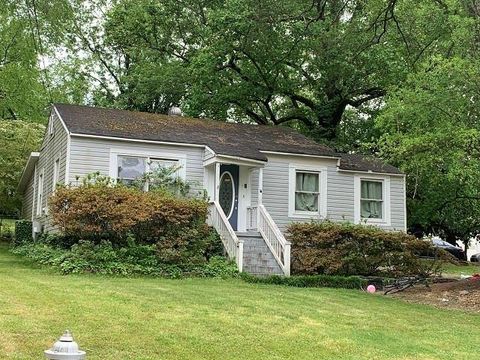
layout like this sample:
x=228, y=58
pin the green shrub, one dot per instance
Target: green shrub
x=193, y=245
x=132, y=259
x=347, y=249
x=23, y=231
x=346, y=282
x=41, y=253
x=108, y=228
x=219, y=267
x=100, y=211
x=57, y=240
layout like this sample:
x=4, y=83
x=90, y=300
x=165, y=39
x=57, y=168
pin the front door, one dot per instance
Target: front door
x=228, y=193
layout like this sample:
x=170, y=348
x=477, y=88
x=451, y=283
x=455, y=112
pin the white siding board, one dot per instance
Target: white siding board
x=340, y=192
x=28, y=199
x=90, y=155
x=53, y=147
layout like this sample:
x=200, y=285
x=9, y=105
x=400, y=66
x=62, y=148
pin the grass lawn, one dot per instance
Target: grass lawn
x=146, y=318
x=465, y=269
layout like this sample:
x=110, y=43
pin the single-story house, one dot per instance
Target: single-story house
x=258, y=178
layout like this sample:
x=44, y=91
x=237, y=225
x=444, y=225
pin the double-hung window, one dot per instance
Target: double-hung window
x=157, y=164
x=307, y=190
x=131, y=168
x=56, y=174
x=40, y=194
x=371, y=199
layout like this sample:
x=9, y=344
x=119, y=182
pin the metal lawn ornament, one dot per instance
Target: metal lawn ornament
x=65, y=349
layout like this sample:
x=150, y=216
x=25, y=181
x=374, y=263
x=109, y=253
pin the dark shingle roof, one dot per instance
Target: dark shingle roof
x=357, y=162
x=241, y=140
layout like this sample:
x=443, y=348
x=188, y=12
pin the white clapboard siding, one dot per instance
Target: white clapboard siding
x=340, y=192
x=54, y=147
x=90, y=155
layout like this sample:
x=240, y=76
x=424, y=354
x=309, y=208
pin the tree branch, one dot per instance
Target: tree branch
x=370, y=94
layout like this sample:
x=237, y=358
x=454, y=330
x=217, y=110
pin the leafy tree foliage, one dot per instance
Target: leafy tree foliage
x=270, y=62
x=321, y=66
x=21, y=90
x=431, y=129
x=17, y=138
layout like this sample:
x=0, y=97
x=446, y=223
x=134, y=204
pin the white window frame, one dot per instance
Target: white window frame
x=40, y=193
x=322, y=191
x=154, y=155
x=56, y=173
x=386, y=210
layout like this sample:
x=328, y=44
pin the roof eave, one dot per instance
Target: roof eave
x=238, y=160
x=334, y=157
x=27, y=171
x=370, y=172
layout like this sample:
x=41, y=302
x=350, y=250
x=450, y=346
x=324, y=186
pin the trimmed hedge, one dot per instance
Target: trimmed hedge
x=102, y=211
x=23, y=231
x=330, y=281
x=347, y=249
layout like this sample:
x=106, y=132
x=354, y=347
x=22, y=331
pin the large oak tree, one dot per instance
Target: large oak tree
x=301, y=63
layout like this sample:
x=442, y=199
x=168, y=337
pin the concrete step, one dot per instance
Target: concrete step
x=263, y=270
x=252, y=234
x=257, y=257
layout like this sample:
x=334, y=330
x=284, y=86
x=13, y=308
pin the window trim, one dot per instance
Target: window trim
x=386, y=209
x=322, y=191
x=56, y=173
x=115, y=153
x=40, y=192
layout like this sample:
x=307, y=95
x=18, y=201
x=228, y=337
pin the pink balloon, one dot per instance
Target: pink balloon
x=371, y=289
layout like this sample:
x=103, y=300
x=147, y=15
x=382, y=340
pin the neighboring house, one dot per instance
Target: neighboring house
x=259, y=178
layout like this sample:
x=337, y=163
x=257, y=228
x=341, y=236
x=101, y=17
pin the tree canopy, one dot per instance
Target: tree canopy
x=431, y=129
x=18, y=139
x=301, y=63
x=394, y=78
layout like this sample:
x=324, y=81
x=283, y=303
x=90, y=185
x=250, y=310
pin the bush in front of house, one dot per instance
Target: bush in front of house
x=347, y=249
x=330, y=281
x=130, y=260
x=23, y=231
x=101, y=211
x=109, y=228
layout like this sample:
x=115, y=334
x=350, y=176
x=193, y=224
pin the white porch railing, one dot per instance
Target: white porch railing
x=252, y=216
x=232, y=244
x=259, y=218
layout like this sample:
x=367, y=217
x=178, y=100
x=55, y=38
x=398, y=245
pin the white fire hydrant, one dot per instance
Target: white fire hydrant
x=65, y=349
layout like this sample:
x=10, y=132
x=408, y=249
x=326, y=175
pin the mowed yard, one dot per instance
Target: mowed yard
x=147, y=318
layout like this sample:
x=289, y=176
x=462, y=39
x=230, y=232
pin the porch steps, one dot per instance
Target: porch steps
x=257, y=257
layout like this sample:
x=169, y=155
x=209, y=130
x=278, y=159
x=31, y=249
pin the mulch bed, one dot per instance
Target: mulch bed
x=456, y=294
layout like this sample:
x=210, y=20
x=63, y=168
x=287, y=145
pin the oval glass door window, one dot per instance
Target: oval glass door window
x=226, y=194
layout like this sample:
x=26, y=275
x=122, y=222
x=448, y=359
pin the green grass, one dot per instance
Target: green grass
x=465, y=269
x=148, y=318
